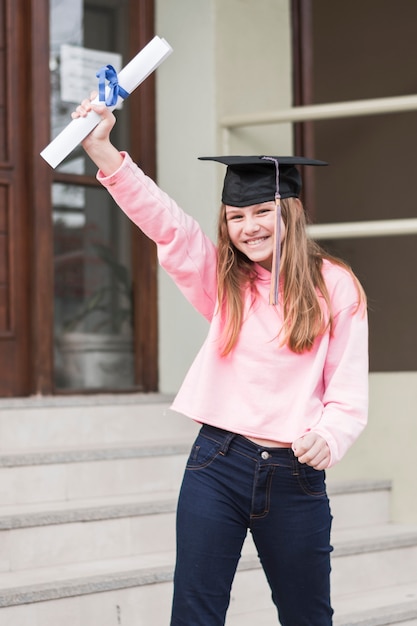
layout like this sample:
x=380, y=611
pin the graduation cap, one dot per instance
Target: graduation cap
x=256, y=179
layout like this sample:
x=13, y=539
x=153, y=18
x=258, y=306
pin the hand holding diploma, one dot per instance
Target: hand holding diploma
x=130, y=77
x=97, y=144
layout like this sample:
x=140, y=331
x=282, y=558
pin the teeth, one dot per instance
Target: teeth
x=253, y=242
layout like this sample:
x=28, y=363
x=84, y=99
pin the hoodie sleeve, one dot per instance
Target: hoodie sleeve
x=345, y=376
x=184, y=251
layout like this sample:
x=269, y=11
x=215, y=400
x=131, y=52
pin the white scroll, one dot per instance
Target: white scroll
x=130, y=77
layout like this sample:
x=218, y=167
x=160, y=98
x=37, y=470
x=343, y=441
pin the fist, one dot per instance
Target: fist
x=313, y=450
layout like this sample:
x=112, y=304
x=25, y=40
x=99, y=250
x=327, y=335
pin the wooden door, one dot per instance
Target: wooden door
x=27, y=287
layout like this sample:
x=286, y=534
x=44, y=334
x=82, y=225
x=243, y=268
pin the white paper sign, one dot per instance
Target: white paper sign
x=130, y=77
x=79, y=67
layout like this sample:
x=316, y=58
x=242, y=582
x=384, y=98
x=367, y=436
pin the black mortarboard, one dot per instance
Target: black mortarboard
x=256, y=179
x=253, y=179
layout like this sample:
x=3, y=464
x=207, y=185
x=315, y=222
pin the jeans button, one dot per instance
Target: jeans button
x=265, y=455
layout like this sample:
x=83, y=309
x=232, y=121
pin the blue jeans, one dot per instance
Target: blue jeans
x=231, y=485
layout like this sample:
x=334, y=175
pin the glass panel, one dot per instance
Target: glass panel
x=381, y=263
x=93, y=293
x=93, y=287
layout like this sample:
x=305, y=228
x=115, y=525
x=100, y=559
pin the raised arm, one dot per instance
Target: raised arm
x=185, y=252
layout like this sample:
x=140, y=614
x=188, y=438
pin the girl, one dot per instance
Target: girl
x=280, y=389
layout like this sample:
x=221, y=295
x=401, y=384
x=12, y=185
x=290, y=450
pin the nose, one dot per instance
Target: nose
x=251, y=225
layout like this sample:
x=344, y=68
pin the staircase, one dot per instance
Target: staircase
x=87, y=513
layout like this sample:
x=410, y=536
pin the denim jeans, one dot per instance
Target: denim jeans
x=231, y=485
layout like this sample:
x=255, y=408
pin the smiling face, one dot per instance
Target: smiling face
x=252, y=231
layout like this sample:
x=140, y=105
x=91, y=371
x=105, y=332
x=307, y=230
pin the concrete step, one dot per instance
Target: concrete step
x=88, y=488
x=34, y=423
x=65, y=532
x=359, y=503
x=383, y=556
x=384, y=607
x=36, y=475
x=138, y=590
x=389, y=605
x=44, y=534
x=133, y=592
x=55, y=474
x=362, y=560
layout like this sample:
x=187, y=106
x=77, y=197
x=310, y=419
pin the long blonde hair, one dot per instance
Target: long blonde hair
x=304, y=288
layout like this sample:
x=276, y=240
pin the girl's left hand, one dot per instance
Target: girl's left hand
x=313, y=450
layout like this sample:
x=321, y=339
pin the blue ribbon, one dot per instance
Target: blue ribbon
x=107, y=72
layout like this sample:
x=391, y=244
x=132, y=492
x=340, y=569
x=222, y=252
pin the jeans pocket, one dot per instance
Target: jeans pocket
x=312, y=481
x=203, y=452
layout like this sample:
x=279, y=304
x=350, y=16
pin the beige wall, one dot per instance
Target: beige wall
x=186, y=126
x=229, y=57
x=254, y=71
x=387, y=447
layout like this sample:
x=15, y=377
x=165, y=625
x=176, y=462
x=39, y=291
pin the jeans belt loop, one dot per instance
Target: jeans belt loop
x=226, y=443
x=295, y=466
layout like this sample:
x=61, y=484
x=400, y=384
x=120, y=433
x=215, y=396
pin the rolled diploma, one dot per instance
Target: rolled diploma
x=130, y=77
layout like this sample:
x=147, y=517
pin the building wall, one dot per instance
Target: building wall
x=386, y=449
x=229, y=57
x=186, y=129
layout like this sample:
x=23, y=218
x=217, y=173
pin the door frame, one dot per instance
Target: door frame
x=302, y=51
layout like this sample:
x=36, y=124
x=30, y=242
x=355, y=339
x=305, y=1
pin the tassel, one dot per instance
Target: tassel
x=276, y=255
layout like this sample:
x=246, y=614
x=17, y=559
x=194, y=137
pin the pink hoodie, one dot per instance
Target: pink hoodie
x=261, y=389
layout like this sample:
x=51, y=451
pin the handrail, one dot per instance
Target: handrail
x=374, y=228
x=354, y=108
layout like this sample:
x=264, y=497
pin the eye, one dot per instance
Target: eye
x=234, y=217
